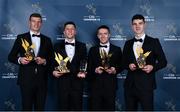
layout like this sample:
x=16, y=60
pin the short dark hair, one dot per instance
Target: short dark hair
x=103, y=27
x=35, y=15
x=138, y=16
x=69, y=23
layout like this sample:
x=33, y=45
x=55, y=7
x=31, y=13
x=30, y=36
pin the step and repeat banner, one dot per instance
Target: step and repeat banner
x=163, y=22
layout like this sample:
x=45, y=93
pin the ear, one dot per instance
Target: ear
x=98, y=36
x=75, y=32
x=109, y=35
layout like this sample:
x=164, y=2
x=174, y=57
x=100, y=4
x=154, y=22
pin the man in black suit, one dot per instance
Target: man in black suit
x=70, y=85
x=32, y=76
x=140, y=81
x=102, y=74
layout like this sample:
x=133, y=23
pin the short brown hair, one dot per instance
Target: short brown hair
x=35, y=15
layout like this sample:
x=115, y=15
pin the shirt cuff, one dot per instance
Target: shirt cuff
x=19, y=60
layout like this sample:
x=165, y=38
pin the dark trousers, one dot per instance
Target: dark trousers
x=134, y=96
x=102, y=100
x=70, y=100
x=33, y=96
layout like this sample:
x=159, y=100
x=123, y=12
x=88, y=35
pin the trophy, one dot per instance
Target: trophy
x=62, y=68
x=141, y=60
x=29, y=50
x=83, y=65
x=105, y=57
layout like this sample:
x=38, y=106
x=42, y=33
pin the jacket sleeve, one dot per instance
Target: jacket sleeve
x=15, y=51
x=160, y=56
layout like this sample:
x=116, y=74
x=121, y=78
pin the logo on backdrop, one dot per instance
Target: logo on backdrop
x=170, y=105
x=10, y=32
x=10, y=105
x=38, y=9
x=118, y=105
x=121, y=76
x=172, y=33
x=11, y=71
x=60, y=37
x=117, y=32
x=171, y=72
x=92, y=10
x=145, y=8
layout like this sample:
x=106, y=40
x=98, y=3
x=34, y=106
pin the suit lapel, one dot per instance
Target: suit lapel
x=132, y=56
x=63, y=51
x=145, y=44
x=28, y=38
x=75, y=52
x=110, y=49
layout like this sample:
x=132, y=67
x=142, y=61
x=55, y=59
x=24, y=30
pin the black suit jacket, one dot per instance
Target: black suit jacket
x=27, y=75
x=70, y=80
x=104, y=79
x=156, y=58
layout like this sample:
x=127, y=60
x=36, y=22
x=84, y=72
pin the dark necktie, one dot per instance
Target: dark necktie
x=34, y=35
x=67, y=43
x=136, y=40
x=105, y=46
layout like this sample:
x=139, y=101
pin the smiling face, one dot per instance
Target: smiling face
x=138, y=26
x=69, y=31
x=103, y=35
x=35, y=24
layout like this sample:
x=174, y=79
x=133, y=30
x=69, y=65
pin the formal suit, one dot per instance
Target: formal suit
x=103, y=86
x=70, y=87
x=32, y=78
x=138, y=84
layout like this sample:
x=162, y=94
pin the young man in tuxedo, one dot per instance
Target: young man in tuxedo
x=70, y=85
x=102, y=75
x=140, y=82
x=33, y=73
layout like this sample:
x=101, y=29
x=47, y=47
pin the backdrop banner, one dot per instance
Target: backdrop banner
x=162, y=22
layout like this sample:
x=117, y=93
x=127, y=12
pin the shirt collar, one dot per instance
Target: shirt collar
x=107, y=44
x=142, y=37
x=31, y=33
x=73, y=41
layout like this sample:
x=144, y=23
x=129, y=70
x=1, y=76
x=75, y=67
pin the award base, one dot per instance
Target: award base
x=62, y=69
x=141, y=62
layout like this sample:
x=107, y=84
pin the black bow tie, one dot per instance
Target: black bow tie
x=103, y=46
x=136, y=40
x=67, y=43
x=34, y=35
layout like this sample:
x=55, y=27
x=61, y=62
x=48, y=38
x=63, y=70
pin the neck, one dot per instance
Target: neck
x=139, y=35
x=69, y=40
x=105, y=42
x=35, y=32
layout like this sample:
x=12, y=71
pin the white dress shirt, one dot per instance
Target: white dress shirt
x=36, y=41
x=70, y=50
x=105, y=48
x=138, y=45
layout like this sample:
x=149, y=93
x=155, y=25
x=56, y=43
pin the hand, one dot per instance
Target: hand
x=132, y=67
x=99, y=70
x=81, y=75
x=147, y=68
x=111, y=70
x=24, y=60
x=40, y=60
x=57, y=74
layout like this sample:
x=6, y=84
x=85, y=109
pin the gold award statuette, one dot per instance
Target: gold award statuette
x=105, y=57
x=62, y=68
x=29, y=50
x=141, y=60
